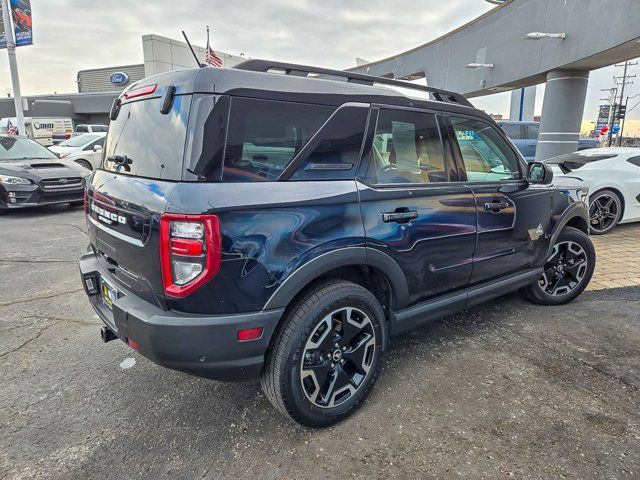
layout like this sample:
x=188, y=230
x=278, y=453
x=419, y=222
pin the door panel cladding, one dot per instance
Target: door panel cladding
x=440, y=307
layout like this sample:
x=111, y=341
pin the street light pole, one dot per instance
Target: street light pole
x=13, y=66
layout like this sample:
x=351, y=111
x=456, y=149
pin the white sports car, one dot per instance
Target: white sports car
x=613, y=178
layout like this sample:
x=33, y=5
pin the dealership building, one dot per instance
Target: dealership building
x=98, y=87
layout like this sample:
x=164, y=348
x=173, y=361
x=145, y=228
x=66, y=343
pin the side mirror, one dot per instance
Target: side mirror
x=97, y=148
x=538, y=172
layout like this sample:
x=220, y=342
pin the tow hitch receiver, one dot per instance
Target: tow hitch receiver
x=106, y=334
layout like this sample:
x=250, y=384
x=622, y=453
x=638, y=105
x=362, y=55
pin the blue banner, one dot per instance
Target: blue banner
x=22, y=24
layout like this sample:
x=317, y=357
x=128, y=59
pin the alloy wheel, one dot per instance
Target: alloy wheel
x=603, y=213
x=337, y=357
x=565, y=269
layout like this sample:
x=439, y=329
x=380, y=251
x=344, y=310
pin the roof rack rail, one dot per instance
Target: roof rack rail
x=305, y=70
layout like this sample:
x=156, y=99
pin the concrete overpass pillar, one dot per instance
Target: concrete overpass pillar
x=523, y=102
x=562, y=110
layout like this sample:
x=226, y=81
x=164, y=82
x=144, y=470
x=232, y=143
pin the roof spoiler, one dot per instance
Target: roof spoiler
x=305, y=71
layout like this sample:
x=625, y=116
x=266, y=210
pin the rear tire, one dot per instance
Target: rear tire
x=325, y=357
x=567, y=272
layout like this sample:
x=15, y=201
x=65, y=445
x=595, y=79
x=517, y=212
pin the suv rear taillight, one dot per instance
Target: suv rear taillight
x=190, y=252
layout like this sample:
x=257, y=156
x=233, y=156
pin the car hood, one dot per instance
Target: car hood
x=37, y=169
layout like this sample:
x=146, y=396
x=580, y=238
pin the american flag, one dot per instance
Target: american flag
x=11, y=128
x=212, y=58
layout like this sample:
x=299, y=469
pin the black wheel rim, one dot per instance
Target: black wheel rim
x=337, y=357
x=603, y=213
x=565, y=269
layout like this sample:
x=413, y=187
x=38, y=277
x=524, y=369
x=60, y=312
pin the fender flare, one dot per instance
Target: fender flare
x=575, y=210
x=348, y=256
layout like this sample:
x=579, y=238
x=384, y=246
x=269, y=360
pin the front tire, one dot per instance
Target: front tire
x=567, y=272
x=605, y=211
x=326, y=356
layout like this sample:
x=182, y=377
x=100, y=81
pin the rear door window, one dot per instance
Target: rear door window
x=152, y=142
x=406, y=149
x=265, y=135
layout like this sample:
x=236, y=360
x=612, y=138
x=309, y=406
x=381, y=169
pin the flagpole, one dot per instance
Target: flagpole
x=13, y=66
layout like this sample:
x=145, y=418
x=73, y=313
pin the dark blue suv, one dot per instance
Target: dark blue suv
x=284, y=222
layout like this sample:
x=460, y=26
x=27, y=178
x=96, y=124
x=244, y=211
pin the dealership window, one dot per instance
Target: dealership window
x=406, y=149
x=485, y=153
x=265, y=135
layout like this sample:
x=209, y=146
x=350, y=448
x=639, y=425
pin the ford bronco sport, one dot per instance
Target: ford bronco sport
x=284, y=222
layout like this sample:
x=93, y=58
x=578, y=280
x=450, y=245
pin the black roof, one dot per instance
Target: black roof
x=256, y=78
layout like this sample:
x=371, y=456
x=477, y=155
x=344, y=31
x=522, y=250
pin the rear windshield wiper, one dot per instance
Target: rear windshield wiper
x=121, y=161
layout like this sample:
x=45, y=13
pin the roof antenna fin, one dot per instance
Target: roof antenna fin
x=200, y=64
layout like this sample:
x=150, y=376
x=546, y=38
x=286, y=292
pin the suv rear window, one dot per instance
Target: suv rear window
x=153, y=142
x=265, y=135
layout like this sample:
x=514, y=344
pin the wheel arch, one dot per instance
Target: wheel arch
x=574, y=216
x=82, y=161
x=369, y=268
x=350, y=261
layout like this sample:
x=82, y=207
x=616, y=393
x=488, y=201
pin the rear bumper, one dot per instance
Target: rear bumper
x=206, y=346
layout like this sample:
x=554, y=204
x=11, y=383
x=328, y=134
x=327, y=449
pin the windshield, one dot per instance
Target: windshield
x=14, y=148
x=79, y=141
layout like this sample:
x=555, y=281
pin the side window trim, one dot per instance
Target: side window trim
x=453, y=147
x=365, y=162
x=521, y=165
x=303, y=154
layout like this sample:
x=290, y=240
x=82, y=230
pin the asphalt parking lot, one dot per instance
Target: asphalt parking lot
x=506, y=389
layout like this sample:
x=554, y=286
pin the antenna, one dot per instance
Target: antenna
x=201, y=65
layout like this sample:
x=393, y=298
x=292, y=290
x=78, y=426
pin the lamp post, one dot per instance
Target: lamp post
x=13, y=66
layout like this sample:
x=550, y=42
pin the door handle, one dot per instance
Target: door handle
x=496, y=206
x=399, y=216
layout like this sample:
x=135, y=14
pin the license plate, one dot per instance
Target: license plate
x=109, y=294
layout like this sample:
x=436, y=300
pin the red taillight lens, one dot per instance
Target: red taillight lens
x=139, y=92
x=249, y=334
x=133, y=344
x=190, y=252
x=85, y=202
x=192, y=248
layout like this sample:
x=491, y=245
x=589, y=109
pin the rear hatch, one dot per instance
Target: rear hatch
x=143, y=160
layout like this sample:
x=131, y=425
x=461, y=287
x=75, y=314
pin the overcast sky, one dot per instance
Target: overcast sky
x=71, y=35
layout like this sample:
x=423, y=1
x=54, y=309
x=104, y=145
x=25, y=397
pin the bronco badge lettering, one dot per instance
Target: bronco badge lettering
x=108, y=217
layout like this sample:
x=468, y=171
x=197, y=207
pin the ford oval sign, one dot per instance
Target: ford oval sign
x=119, y=78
